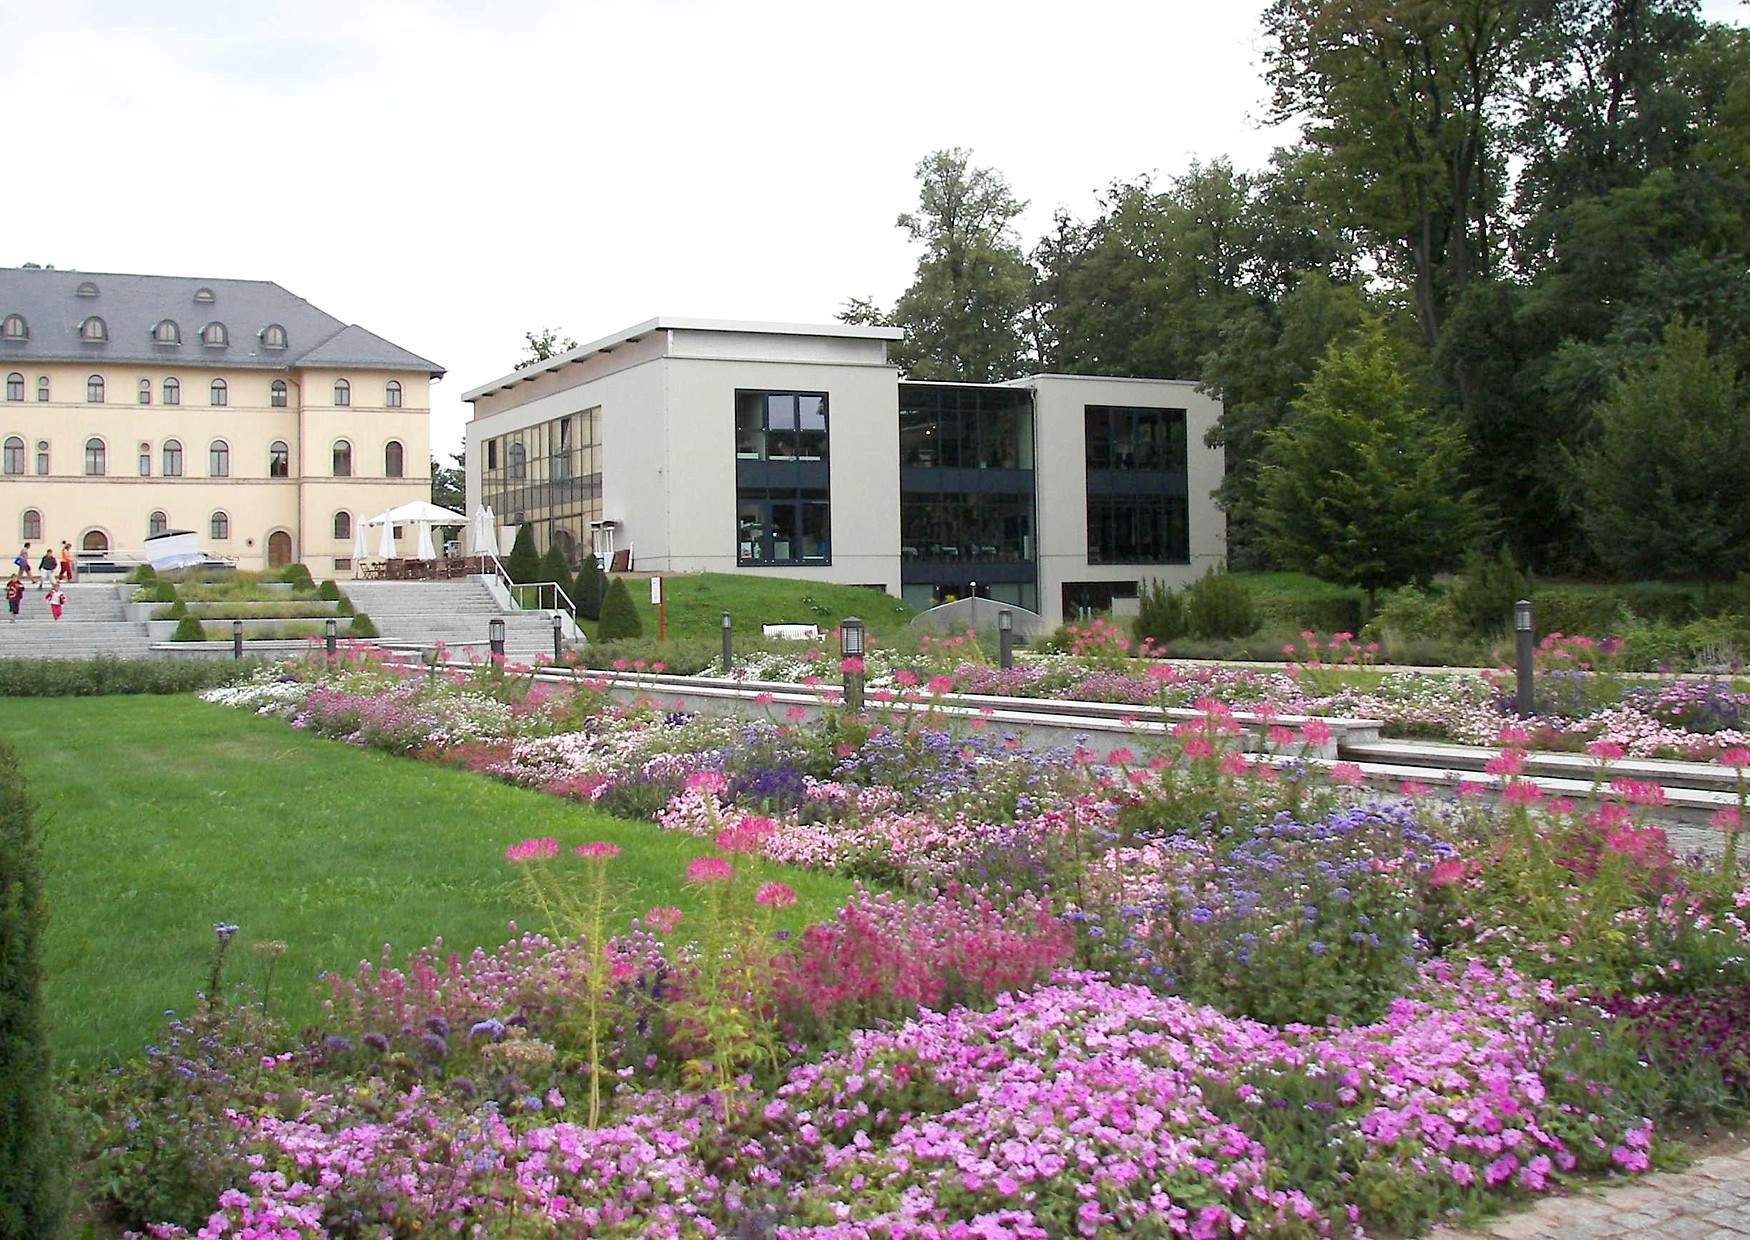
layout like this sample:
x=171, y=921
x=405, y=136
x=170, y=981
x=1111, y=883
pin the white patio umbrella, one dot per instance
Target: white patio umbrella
x=475, y=524
x=386, y=544
x=489, y=534
x=425, y=550
x=360, y=549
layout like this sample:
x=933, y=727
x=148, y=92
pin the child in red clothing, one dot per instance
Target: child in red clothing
x=14, y=596
x=57, y=599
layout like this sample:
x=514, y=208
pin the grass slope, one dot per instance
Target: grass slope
x=697, y=601
x=162, y=816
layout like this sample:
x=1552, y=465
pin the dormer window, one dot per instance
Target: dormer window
x=94, y=331
x=204, y=295
x=214, y=335
x=87, y=289
x=167, y=332
x=13, y=327
x=273, y=336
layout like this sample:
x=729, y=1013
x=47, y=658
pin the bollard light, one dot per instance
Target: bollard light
x=851, y=661
x=558, y=633
x=495, y=635
x=236, y=639
x=1522, y=649
x=728, y=646
x=1005, y=639
x=330, y=635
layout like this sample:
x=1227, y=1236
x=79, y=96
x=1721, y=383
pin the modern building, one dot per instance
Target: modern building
x=134, y=405
x=790, y=450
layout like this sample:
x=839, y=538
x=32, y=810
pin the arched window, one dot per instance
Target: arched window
x=15, y=386
x=157, y=524
x=145, y=460
x=167, y=332
x=276, y=393
x=94, y=541
x=13, y=456
x=13, y=327
x=517, y=461
x=279, y=460
x=205, y=295
x=33, y=525
x=342, y=526
x=86, y=289
x=96, y=461
x=342, y=392
x=218, y=459
x=219, y=527
x=172, y=458
x=392, y=395
x=392, y=459
x=93, y=330
x=342, y=459
x=94, y=389
x=218, y=393
x=145, y=391
x=42, y=388
x=42, y=458
x=273, y=336
x=172, y=392
x=214, y=335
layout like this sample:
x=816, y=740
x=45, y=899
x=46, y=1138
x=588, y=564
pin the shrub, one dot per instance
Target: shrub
x=1336, y=612
x=554, y=568
x=344, y=607
x=1410, y=614
x=33, y=1186
x=1482, y=601
x=1219, y=605
x=586, y=591
x=524, y=562
x=328, y=590
x=162, y=592
x=1160, y=617
x=103, y=676
x=143, y=575
x=362, y=626
x=188, y=629
x=1592, y=611
x=176, y=610
x=619, y=616
x=298, y=576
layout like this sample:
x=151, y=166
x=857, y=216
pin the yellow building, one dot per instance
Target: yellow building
x=136, y=405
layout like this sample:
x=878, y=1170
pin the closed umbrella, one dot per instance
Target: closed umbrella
x=425, y=550
x=386, y=544
x=475, y=525
x=489, y=539
x=360, y=549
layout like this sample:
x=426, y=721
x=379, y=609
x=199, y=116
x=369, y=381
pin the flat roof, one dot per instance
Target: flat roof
x=631, y=335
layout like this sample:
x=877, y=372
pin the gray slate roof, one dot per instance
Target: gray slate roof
x=132, y=306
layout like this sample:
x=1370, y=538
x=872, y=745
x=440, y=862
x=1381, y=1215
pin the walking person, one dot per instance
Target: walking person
x=56, y=599
x=66, y=561
x=14, y=596
x=22, y=562
x=48, y=566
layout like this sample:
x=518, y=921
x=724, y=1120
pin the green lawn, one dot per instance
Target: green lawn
x=161, y=816
x=697, y=601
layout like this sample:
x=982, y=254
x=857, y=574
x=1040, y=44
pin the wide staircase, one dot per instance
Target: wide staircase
x=456, y=613
x=92, y=623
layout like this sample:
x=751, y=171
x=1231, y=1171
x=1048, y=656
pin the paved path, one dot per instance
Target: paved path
x=1709, y=1199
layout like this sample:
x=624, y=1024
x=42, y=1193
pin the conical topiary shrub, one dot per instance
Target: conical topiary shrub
x=554, y=568
x=524, y=562
x=619, y=616
x=33, y=1161
x=586, y=591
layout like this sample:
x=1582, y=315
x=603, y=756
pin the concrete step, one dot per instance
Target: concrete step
x=1580, y=769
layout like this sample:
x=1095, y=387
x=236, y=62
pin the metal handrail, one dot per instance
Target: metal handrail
x=561, y=599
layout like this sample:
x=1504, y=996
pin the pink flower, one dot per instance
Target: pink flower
x=1727, y=818
x=1522, y=792
x=1315, y=732
x=1198, y=748
x=1605, y=751
x=1279, y=735
x=939, y=685
x=1737, y=758
x=1507, y=762
x=762, y=699
x=1346, y=773
x=663, y=918
x=659, y=666
x=1411, y=788
x=598, y=850
x=1449, y=871
x=706, y=781
x=544, y=849
x=1233, y=765
x=1121, y=757
x=620, y=665
x=796, y=714
x=745, y=836
x=905, y=678
x=709, y=870
x=774, y=895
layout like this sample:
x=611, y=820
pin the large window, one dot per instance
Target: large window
x=392, y=395
x=219, y=527
x=218, y=393
x=342, y=459
x=94, y=389
x=548, y=476
x=342, y=392
x=95, y=458
x=342, y=526
x=966, y=529
x=172, y=391
x=942, y=426
x=392, y=459
x=14, y=455
x=783, y=504
x=1138, y=506
x=276, y=394
x=33, y=525
x=218, y=459
x=279, y=460
x=158, y=523
x=15, y=386
x=172, y=459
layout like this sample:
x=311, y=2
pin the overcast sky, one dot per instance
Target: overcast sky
x=452, y=174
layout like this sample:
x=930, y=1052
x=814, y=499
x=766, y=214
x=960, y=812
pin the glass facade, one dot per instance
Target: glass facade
x=548, y=476
x=783, y=491
x=1138, y=494
x=966, y=493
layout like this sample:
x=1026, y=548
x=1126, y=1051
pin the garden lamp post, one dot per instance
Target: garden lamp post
x=558, y=632
x=1522, y=647
x=728, y=646
x=330, y=636
x=851, y=660
x=236, y=639
x=1005, y=639
x=495, y=635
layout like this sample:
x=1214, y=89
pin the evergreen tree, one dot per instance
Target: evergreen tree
x=619, y=615
x=554, y=567
x=32, y=1161
x=524, y=562
x=586, y=591
x=1662, y=488
x=1361, y=486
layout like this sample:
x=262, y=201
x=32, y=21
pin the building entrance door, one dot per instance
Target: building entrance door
x=279, y=549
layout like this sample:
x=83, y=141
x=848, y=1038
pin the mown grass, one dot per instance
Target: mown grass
x=696, y=603
x=163, y=816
